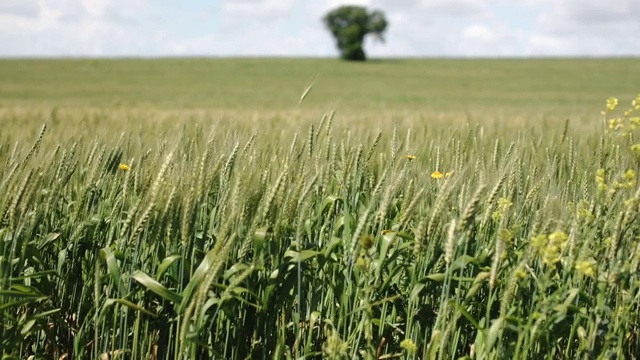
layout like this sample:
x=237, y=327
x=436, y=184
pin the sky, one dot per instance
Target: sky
x=417, y=28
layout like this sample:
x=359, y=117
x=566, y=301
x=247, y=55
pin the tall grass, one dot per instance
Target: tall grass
x=328, y=241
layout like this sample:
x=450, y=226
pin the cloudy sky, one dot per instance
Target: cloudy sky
x=457, y=28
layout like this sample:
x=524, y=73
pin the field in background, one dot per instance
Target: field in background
x=382, y=93
x=193, y=209
x=561, y=86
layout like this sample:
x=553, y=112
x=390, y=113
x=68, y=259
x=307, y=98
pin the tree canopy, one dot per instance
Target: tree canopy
x=350, y=24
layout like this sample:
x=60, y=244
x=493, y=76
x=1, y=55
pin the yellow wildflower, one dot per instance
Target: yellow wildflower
x=636, y=148
x=558, y=238
x=600, y=180
x=584, y=212
x=437, y=175
x=636, y=103
x=612, y=103
x=539, y=241
x=587, y=267
x=504, y=203
x=615, y=124
x=629, y=175
x=628, y=180
x=551, y=256
x=520, y=273
x=123, y=167
x=410, y=157
x=557, y=241
x=550, y=247
x=409, y=346
x=362, y=262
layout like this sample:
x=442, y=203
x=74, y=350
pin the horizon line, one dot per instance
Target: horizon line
x=306, y=57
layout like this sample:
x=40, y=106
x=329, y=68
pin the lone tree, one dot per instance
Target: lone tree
x=350, y=24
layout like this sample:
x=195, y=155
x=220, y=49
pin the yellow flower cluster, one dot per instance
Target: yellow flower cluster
x=600, y=180
x=634, y=122
x=615, y=124
x=587, y=267
x=612, y=103
x=362, y=262
x=409, y=346
x=583, y=211
x=550, y=246
x=123, y=167
x=629, y=121
x=520, y=272
x=627, y=180
x=504, y=204
x=635, y=104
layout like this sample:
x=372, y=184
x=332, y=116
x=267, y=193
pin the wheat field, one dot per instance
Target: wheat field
x=281, y=231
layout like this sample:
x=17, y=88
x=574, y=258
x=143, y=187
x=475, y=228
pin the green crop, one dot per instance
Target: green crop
x=201, y=239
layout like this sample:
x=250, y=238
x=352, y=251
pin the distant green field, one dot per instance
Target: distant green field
x=565, y=87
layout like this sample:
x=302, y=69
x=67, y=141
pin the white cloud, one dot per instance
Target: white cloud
x=23, y=8
x=478, y=33
x=597, y=11
x=293, y=27
x=265, y=10
x=330, y=4
x=72, y=28
x=95, y=7
x=592, y=27
x=454, y=7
